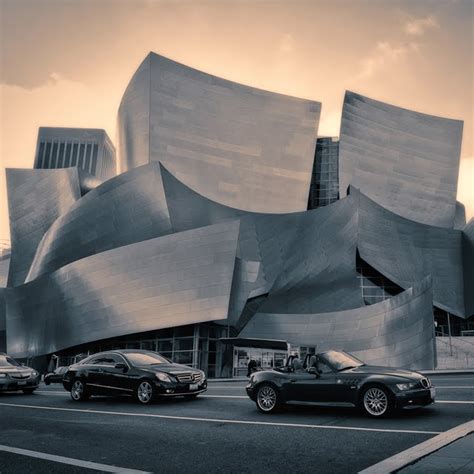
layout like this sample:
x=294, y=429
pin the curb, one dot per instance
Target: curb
x=411, y=455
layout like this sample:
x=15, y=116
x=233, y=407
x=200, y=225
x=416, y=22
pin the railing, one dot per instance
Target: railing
x=455, y=350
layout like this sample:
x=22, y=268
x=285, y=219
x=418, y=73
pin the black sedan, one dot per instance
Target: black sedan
x=338, y=378
x=145, y=375
x=56, y=376
x=15, y=376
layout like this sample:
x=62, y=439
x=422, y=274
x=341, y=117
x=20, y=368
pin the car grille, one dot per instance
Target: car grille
x=19, y=376
x=189, y=378
x=425, y=383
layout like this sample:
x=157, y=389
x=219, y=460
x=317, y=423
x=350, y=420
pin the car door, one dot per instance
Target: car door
x=115, y=380
x=321, y=387
x=91, y=372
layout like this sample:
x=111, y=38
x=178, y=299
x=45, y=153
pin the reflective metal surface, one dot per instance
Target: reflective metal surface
x=406, y=161
x=36, y=198
x=397, y=332
x=406, y=251
x=238, y=145
x=168, y=281
x=128, y=208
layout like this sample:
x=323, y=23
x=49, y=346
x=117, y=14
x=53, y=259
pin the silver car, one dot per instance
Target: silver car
x=15, y=376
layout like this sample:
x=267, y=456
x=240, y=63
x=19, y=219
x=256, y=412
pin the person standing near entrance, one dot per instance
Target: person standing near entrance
x=251, y=367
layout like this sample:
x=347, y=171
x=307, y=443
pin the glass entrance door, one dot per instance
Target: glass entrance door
x=264, y=358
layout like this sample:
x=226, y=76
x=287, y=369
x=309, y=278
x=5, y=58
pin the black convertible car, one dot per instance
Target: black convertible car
x=145, y=375
x=336, y=377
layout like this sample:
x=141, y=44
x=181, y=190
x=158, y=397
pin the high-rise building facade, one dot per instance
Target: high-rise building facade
x=87, y=148
x=324, y=188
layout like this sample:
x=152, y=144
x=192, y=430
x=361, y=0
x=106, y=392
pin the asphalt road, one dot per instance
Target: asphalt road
x=221, y=431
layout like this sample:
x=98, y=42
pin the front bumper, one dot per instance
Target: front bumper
x=9, y=384
x=419, y=397
x=251, y=392
x=180, y=389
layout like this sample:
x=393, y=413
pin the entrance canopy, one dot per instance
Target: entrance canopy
x=257, y=343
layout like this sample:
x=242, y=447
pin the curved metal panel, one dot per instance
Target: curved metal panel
x=305, y=260
x=406, y=161
x=406, y=251
x=125, y=209
x=36, y=198
x=238, y=145
x=173, y=280
x=397, y=332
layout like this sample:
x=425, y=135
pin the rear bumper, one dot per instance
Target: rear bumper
x=415, y=397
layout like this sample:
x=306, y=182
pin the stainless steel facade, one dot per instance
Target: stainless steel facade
x=406, y=161
x=36, y=198
x=168, y=281
x=240, y=146
x=126, y=209
x=397, y=332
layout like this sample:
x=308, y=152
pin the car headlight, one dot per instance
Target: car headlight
x=203, y=375
x=34, y=373
x=406, y=386
x=163, y=377
x=2, y=376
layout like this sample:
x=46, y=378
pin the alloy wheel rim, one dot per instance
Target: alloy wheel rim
x=77, y=390
x=266, y=398
x=144, y=392
x=375, y=401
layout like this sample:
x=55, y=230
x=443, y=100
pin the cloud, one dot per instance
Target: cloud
x=465, y=189
x=419, y=26
x=384, y=54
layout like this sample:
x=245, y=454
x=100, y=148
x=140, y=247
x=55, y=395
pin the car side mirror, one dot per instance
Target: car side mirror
x=121, y=365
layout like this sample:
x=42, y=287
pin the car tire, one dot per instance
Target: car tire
x=79, y=391
x=47, y=382
x=268, y=399
x=28, y=391
x=145, y=392
x=376, y=401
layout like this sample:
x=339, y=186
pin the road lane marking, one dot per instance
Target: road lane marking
x=70, y=461
x=220, y=420
x=241, y=397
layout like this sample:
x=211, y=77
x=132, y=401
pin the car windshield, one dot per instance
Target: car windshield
x=342, y=360
x=145, y=358
x=8, y=362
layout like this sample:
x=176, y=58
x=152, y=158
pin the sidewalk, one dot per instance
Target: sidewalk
x=451, y=451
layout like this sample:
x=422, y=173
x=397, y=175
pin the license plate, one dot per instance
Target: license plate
x=22, y=383
x=193, y=386
x=432, y=392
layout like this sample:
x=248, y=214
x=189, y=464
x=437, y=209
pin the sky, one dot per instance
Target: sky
x=67, y=62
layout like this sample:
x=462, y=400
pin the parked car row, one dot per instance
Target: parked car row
x=331, y=377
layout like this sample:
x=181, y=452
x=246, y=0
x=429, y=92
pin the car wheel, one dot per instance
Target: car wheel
x=268, y=398
x=28, y=391
x=78, y=391
x=47, y=382
x=376, y=401
x=145, y=392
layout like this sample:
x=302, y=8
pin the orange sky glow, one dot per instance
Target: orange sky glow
x=67, y=63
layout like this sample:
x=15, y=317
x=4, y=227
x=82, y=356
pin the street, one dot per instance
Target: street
x=221, y=431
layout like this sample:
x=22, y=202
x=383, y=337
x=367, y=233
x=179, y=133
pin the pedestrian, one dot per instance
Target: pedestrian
x=251, y=367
